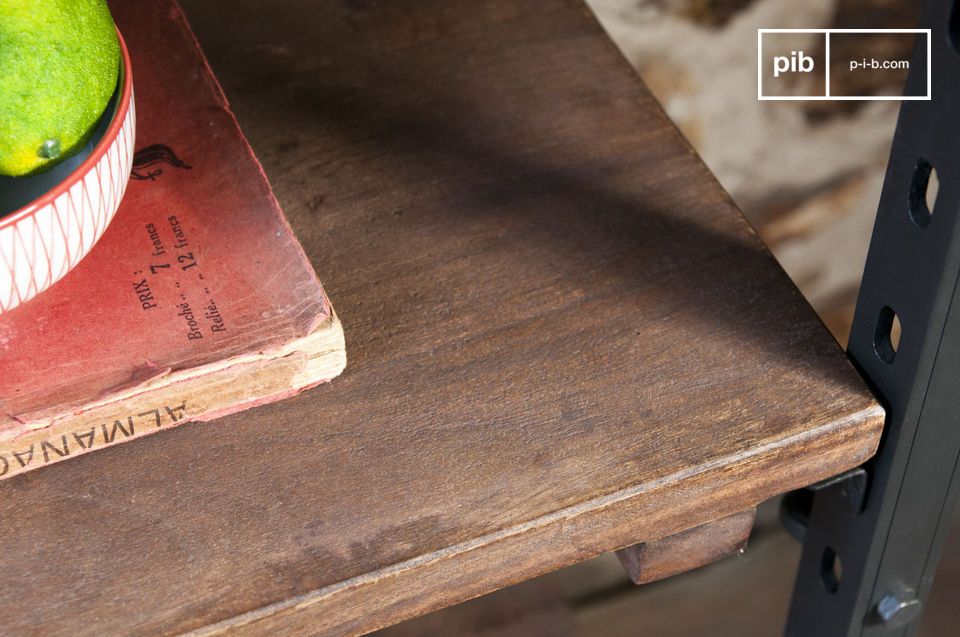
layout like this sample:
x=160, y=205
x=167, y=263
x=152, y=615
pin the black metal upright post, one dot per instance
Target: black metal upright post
x=866, y=569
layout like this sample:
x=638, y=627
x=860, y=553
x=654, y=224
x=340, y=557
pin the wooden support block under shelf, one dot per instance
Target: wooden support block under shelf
x=684, y=551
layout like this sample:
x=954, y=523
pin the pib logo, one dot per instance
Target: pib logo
x=796, y=62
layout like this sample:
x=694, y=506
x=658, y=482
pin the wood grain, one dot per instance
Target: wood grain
x=684, y=551
x=564, y=339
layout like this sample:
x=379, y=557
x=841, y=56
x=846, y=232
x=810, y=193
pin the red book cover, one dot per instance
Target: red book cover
x=196, y=302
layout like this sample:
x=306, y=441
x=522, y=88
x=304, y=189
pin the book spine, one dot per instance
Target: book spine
x=193, y=395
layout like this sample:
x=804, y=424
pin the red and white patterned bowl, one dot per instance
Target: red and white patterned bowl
x=43, y=240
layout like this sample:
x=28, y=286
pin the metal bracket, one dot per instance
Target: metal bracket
x=866, y=571
x=796, y=505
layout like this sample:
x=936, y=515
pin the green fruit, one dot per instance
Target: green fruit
x=59, y=61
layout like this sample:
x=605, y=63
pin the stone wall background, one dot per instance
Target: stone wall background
x=806, y=174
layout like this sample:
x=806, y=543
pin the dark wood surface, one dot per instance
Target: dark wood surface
x=747, y=595
x=563, y=339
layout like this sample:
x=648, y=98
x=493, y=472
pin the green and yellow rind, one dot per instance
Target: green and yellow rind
x=59, y=62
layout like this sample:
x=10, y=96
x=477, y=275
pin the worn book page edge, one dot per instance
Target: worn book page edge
x=177, y=397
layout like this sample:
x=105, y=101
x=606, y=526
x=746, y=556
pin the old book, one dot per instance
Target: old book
x=197, y=301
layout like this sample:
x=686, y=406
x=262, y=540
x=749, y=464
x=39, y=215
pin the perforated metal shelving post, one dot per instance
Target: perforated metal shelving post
x=866, y=569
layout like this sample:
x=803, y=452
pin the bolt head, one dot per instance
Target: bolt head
x=898, y=612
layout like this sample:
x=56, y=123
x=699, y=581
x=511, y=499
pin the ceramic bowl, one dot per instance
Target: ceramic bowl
x=50, y=221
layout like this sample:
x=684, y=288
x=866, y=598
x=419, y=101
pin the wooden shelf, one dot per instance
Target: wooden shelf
x=563, y=339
